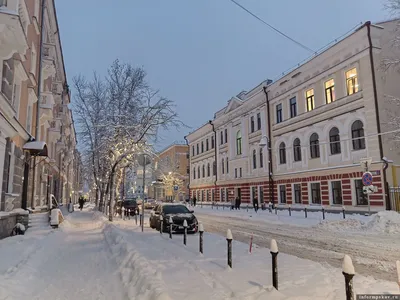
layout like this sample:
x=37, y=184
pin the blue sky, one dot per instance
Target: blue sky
x=201, y=53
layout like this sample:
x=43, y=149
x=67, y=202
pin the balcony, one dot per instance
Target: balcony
x=13, y=25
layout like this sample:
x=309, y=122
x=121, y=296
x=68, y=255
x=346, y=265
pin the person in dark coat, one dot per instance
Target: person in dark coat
x=237, y=203
x=194, y=201
x=255, y=204
x=81, y=202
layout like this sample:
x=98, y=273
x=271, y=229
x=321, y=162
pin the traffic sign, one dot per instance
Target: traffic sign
x=176, y=187
x=370, y=189
x=367, y=178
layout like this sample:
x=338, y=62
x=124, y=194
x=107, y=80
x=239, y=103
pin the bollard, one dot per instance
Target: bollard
x=201, y=232
x=185, y=231
x=129, y=215
x=348, y=273
x=290, y=210
x=276, y=210
x=123, y=213
x=171, y=222
x=274, y=252
x=251, y=243
x=305, y=211
x=217, y=206
x=161, y=223
x=398, y=272
x=344, y=212
x=323, y=213
x=229, y=239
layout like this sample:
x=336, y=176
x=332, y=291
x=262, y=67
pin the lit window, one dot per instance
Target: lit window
x=310, y=100
x=330, y=91
x=352, y=81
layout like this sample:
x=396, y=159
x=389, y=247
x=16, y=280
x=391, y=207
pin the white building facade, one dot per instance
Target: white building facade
x=322, y=119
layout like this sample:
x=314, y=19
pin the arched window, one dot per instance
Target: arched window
x=227, y=166
x=204, y=171
x=261, y=158
x=194, y=173
x=208, y=170
x=314, y=145
x=254, y=159
x=223, y=166
x=198, y=172
x=297, y=150
x=334, y=141
x=282, y=153
x=239, y=143
x=357, y=135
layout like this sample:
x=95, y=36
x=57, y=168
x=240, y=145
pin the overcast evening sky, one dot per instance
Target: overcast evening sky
x=201, y=53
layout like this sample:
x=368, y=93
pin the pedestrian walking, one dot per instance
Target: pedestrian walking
x=233, y=205
x=194, y=201
x=81, y=202
x=255, y=204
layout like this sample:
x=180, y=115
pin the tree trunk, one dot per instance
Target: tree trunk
x=111, y=210
x=101, y=200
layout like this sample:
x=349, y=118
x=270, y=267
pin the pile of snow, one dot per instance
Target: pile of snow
x=19, y=211
x=382, y=222
x=164, y=268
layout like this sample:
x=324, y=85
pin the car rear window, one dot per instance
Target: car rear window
x=130, y=203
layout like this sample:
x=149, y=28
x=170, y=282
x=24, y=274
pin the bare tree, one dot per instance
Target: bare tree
x=116, y=117
x=168, y=172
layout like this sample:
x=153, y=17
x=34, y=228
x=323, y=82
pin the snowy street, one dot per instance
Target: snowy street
x=374, y=253
x=91, y=258
x=73, y=263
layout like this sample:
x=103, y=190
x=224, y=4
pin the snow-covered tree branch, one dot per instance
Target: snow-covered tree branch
x=116, y=117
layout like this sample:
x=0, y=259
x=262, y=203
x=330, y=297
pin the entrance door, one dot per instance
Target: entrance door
x=238, y=193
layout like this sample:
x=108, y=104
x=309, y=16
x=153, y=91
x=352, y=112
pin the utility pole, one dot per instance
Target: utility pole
x=144, y=182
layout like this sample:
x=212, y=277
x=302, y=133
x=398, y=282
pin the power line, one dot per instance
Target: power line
x=272, y=27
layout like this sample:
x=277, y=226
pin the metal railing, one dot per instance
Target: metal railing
x=395, y=198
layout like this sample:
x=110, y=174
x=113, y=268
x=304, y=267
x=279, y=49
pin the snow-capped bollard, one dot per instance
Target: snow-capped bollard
x=276, y=210
x=398, y=272
x=274, y=252
x=247, y=207
x=123, y=213
x=305, y=212
x=129, y=215
x=185, y=225
x=348, y=273
x=344, y=212
x=290, y=210
x=171, y=222
x=161, y=223
x=229, y=239
x=201, y=232
x=323, y=213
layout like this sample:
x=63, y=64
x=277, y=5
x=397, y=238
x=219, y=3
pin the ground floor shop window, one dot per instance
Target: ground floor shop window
x=297, y=192
x=261, y=192
x=361, y=198
x=336, y=187
x=315, y=193
x=282, y=193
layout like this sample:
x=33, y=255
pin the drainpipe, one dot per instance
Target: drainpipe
x=378, y=126
x=38, y=101
x=270, y=178
x=188, y=186
x=215, y=158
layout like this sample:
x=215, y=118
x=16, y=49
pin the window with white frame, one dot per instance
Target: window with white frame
x=10, y=170
x=336, y=192
x=282, y=194
x=297, y=193
x=352, y=81
x=254, y=159
x=315, y=192
x=29, y=119
x=252, y=124
x=310, y=103
x=330, y=91
x=297, y=149
x=334, y=141
x=261, y=158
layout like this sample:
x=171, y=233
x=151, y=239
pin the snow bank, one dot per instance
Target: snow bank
x=183, y=273
x=19, y=211
x=382, y=222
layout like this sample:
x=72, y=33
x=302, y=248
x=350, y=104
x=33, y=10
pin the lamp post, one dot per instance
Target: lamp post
x=265, y=141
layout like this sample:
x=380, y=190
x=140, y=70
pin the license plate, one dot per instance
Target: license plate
x=180, y=227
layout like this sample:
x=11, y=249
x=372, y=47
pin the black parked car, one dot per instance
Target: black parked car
x=178, y=212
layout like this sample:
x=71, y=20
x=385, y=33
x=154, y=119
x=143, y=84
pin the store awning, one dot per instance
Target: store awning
x=36, y=148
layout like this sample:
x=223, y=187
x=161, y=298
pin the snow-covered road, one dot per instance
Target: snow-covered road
x=373, y=254
x=72, y=263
